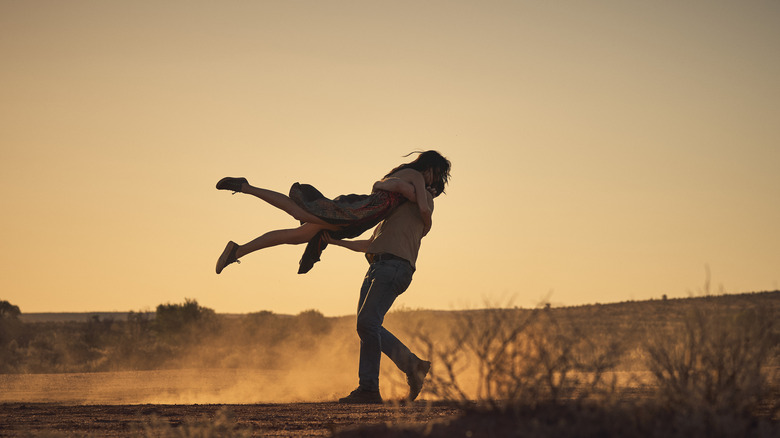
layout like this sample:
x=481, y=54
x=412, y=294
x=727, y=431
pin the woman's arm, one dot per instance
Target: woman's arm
x=393, y=184
x=354, y=245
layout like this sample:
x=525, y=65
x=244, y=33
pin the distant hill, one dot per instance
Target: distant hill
x=85, y=316
x=769, y=299
x=76, y=316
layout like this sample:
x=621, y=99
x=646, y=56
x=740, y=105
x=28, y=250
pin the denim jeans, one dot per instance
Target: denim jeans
x=384, y=281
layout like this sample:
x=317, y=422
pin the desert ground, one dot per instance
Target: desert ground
x=136, y=402
x=288, y=419
x=673, y=368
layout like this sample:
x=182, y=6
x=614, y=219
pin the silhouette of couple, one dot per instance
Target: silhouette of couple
x=400, y=206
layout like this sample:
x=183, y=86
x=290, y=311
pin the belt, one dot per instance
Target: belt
x=373, y=258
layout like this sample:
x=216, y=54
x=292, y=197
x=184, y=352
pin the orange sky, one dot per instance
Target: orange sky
x=602, y=151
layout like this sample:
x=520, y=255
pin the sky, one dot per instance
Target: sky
x=602, y=151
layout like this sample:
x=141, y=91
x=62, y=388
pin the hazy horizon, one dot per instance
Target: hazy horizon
x=32, y=316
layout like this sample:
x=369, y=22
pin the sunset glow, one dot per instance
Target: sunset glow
x=602, y=151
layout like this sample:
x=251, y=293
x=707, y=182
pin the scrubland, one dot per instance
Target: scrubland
x=705, y=366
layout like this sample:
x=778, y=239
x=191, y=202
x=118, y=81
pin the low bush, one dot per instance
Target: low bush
x=713, y=372
x=716, y=362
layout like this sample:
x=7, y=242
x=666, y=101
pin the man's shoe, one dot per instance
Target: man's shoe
x=416, y=378
x=228, y=256
x=362, y=396
x=230, y=183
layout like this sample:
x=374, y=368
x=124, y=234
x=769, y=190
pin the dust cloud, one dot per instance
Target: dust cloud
x=188, y=386
x=252, y=359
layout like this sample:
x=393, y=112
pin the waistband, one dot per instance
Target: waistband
x=373, y=258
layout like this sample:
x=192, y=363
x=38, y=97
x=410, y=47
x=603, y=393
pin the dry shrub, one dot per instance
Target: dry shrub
x=549, y=372
x=718, y=362
x=520, y=356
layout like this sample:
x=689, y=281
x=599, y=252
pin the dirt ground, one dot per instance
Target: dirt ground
x=128, y=403
x=288, y=419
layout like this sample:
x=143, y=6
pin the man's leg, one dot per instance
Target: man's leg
x=415, y=368
x=399, y=353
x=382, y=284
x=369, y=317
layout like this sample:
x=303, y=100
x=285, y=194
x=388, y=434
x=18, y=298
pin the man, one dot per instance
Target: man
x=392, y=253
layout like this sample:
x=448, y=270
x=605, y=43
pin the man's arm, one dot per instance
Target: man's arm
x=427, y=197
x=354, y=245
x=401, y=180
x=426, y=212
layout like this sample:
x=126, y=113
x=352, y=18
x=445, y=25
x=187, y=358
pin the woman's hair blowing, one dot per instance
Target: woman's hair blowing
x=434, y=161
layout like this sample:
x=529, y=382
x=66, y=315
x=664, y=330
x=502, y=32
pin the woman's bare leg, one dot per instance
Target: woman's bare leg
x=293, y=236
x=282, y=202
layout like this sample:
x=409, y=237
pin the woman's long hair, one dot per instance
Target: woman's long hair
x=429, y=160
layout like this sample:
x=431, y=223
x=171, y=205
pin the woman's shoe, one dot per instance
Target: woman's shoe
x=228, y=256
x=230, y=183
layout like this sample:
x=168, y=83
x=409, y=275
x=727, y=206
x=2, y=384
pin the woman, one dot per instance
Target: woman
x=343, y=217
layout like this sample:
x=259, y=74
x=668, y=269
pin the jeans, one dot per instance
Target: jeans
x=384, y=281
